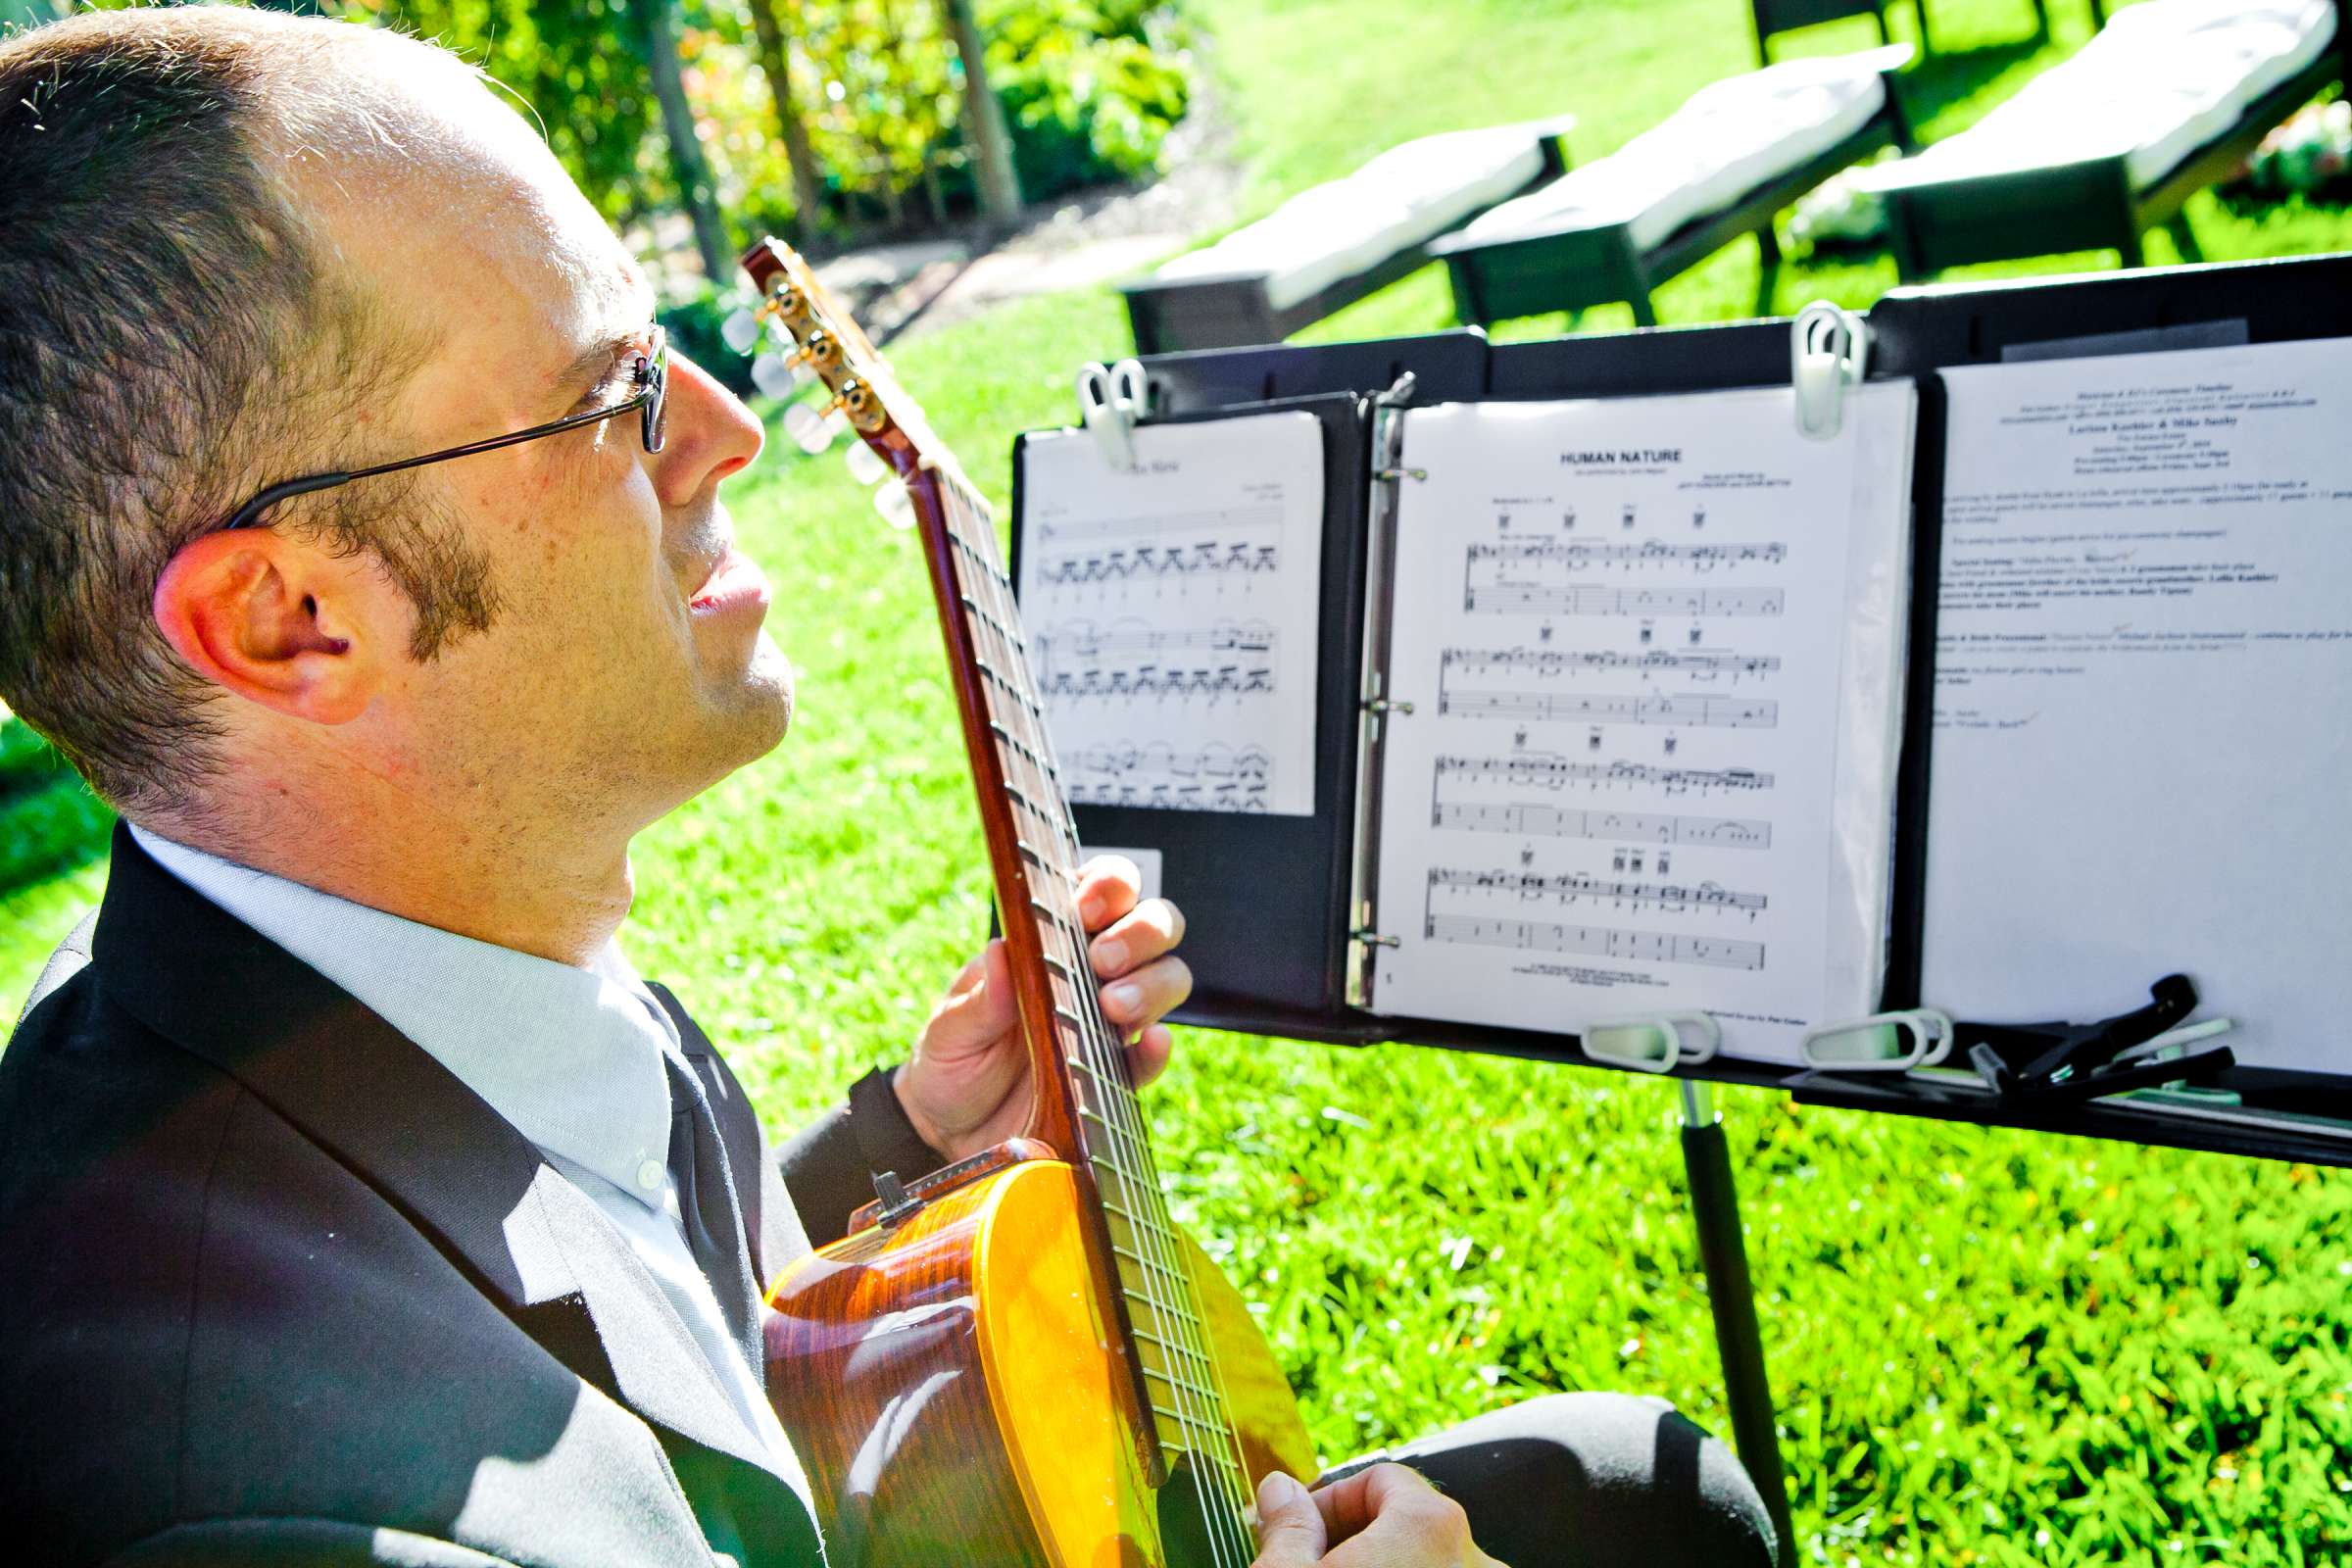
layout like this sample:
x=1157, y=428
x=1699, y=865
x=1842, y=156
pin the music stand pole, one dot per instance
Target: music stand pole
x=1730, y=1293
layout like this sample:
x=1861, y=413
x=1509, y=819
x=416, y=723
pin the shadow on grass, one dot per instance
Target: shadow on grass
x=49, y=821
x=1941, y=81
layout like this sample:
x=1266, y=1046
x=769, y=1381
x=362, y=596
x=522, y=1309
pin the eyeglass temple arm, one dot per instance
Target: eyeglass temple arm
x=246, y=514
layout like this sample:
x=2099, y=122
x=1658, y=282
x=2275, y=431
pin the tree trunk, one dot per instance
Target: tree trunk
x=775, y=63
x=686, y=157
x=984, y=121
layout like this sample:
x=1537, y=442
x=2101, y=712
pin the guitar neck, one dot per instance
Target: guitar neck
x=1086, y=1105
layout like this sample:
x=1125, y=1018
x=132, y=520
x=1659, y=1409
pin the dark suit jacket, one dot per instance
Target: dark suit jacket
x=277, y=1288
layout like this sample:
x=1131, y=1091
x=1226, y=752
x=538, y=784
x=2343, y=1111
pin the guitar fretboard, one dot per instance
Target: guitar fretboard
x=1165, y=1318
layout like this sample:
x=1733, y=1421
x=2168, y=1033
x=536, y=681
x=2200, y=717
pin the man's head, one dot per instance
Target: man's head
x=236, y=248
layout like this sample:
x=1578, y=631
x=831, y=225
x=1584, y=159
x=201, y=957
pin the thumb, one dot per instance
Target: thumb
x=1289, y=1526
x=978, y=1008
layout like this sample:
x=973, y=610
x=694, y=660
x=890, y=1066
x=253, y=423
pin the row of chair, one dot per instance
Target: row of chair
x=2167, y=97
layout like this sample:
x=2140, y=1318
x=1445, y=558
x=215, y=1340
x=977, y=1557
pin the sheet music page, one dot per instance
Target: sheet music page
x=2144, y=668
x=1652, y=648
x=1172, y=612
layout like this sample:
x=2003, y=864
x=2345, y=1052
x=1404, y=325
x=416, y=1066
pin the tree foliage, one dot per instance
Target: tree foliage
x=1090, y=90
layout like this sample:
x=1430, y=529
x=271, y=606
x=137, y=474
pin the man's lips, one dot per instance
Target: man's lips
x=735, y=583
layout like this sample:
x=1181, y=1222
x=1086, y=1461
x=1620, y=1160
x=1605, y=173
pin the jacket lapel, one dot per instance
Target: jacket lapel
x=408, y=1127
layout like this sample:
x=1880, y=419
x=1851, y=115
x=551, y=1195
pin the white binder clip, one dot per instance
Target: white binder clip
x=1657, y=1042
x=1884, y=1041
x=1110, y=399
x=1828, y=351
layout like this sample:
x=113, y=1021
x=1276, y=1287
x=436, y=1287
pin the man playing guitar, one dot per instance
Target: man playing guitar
x=358, y=1202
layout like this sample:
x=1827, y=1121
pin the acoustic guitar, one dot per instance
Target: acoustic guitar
x=1020, y=1359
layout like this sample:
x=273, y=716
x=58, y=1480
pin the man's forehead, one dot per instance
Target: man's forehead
x=465, y=220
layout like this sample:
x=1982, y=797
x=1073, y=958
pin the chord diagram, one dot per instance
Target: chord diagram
x=1733, y=713
x=1547, y=771
x=1576, y=554
x=1549, y=662
x=1213, y=521
x=1594, y=941
x=1213, y=778
x=1574, y=887
x=1545, y=599
x=1208, y=561
x=1716, y=832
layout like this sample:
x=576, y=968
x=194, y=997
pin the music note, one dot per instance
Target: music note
x=1575, y=887
x=1593, y=940
x=1536, y=598
x=1734, y=713
x=1547, y=771
x=1176, y=602
x=1212, y=778
x=1720, y=832
x=1553, y=663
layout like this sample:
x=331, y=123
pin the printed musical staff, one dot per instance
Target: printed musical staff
x=1175, y=604
x=1178, y=565
x=1549, y=770
x=1082, y=642
x=1715, y=832
x=1575, y=887
x=1581, y=556
x=1620, y=650
x=1733, y=713
x=1557, y=662
x=1212, y=778
x=1207, y=683
x=1594, y=941
x=1080, y=662
x=1544, y=599
x=1221, y=519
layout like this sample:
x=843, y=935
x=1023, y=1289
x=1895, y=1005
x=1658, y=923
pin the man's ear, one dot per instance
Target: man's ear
x=276, y=622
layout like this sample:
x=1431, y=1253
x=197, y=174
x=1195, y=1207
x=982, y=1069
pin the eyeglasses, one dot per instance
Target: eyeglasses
x=652, y=377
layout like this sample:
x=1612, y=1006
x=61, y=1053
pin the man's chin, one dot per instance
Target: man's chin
x=766, y=694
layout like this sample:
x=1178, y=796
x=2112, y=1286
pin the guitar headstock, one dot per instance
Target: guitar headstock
x=802, y=334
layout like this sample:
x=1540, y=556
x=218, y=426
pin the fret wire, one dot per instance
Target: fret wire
x=1179, y=1383
x=1089, y=1033
x=1171, y=1345
x=1161, y=1270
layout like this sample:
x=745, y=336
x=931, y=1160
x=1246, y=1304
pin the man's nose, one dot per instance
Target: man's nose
x=710, y=434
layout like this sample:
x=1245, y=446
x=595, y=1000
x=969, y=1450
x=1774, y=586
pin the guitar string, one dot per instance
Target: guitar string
x=1108, y=1072
x=1157, y=1234
x=1235, y=1531
x=1147, y=1227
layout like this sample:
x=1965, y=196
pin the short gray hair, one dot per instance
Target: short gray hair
x=171, y=339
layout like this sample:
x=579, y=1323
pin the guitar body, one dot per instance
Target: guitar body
x=956, y=1396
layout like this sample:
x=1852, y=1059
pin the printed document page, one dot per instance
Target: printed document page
x=1172, y=612
x=2144, y=668
x=1652, y=648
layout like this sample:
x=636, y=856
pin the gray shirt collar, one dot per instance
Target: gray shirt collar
x=571, y=1057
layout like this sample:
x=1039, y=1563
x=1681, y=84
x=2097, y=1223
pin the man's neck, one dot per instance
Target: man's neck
x=557, y=895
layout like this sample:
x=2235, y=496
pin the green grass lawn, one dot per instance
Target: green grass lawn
x=1988, y=1346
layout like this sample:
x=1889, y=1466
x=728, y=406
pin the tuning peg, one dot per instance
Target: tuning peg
x=780, y=375
x=866, y=464
x=814, y=426
x=741, y=330
x=896, y=504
